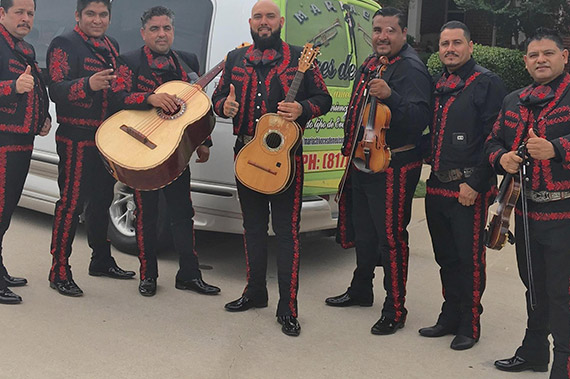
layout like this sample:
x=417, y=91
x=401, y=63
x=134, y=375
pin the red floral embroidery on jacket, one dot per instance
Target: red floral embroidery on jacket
x=59, y=65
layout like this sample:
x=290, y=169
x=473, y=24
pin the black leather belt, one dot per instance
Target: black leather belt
x=244, y=138
x=453, y=174
x=547, y=196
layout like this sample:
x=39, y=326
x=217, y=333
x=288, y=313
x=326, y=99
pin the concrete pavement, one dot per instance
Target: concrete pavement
x=113, y=332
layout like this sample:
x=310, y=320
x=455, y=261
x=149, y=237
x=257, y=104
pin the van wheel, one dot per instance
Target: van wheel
x=121, y=231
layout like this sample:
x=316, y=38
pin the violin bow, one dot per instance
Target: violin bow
x=524, y=205
x=352, y=149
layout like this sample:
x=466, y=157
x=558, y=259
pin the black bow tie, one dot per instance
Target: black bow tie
x=160, y=63
x=97, y=45
x=537, y=95
x=265, y=57
x=449, y=83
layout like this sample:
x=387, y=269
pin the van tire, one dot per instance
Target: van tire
x=121, y=230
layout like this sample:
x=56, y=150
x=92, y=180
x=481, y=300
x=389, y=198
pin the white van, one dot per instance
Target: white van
x=211, y=28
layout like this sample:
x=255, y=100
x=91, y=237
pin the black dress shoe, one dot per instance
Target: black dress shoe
x=114, y=272
x=197, y=285
x=463, y=342
x=386, y=326
x=289, y=325
x=437, y=330
x=67, y=288
x=12, y=281
x=345, y=300
x=243, y=304
x=9, y=297
x=147, y=287
x=517, y=364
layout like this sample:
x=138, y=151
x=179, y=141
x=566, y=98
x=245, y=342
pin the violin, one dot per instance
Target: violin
x=497, y=232
x=372, y=154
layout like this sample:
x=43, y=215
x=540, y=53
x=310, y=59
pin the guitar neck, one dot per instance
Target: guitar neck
x=294, y=87
x=210, y=75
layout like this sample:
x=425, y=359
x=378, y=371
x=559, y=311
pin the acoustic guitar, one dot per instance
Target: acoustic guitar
x=266, y=164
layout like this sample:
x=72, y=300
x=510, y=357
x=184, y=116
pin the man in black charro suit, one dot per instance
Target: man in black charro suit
x=23, y=114
x=253, y=83
x=139, y=73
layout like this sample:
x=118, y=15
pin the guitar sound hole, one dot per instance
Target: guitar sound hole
x=168, y=113
x=273, y=140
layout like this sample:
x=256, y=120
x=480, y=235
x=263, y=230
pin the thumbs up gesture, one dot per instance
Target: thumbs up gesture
x=538, y=147
x=25, y=82
x=231, y=106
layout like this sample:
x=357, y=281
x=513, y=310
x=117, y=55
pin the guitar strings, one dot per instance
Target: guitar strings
x=147, y=127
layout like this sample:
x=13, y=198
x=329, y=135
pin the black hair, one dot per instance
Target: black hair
x=391, y=12
x=82, y=4
x=159, y=10
x=545, y=33
x=457, y=25
x=7, y=4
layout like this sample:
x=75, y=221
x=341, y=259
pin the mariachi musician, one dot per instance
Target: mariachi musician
x=467, y=99
x=539, y=115
x=381, y=202
x=23, y=114
x=81, y=64
x=254, y=82
x=139, y=73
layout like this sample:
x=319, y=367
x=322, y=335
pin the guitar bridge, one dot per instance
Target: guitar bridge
x=257, y=165
x=138, y=136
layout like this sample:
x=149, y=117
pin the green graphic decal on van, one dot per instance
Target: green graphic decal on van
x=343, y=29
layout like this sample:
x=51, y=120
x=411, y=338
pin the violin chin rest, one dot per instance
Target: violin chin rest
x=511, y=238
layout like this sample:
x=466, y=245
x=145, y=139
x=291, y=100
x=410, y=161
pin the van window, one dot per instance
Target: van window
x=192, y=24
x=52, y=18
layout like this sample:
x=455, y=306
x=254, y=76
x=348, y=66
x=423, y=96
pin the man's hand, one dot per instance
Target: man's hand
x=46, y=128
x=380, y=89
x=165, y=101
x=467, y=195
x=289, y=111
x=511, y=162
x=203, y=153
x=231, y=106
x=538, y=147
x=25, y=82
x=101, y=80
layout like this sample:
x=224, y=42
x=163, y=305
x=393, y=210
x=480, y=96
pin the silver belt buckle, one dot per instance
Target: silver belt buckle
x=467, y=172
x=455, y=174
x=539, y=196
